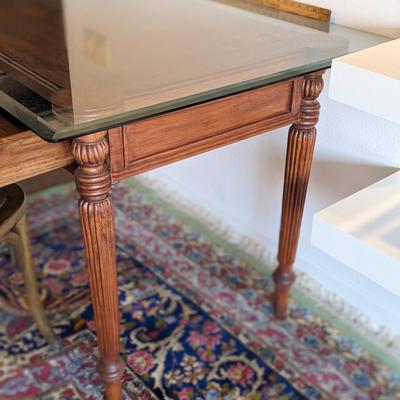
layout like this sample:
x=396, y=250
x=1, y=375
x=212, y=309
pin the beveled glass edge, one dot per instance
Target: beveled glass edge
x=45, y=131
x=27, y=117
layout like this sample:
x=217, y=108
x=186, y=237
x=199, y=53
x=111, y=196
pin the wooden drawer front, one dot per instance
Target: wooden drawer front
x=23, y=154
x=172, y=136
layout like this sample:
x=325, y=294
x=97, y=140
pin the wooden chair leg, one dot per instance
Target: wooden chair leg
x=299, y=156
x=13, y=256
x=97, y=218
x=23, y=257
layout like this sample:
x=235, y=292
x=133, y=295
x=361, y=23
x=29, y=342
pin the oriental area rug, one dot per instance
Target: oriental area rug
x=197, y=321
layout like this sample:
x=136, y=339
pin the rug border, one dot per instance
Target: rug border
x=145, y=187
x=154, y=193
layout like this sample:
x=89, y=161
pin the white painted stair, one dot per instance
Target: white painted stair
x=363, y=230
x=369, y=80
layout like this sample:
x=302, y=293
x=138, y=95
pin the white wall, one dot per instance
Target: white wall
x=242, y=183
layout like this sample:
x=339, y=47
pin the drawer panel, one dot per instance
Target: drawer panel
x=23, y=154
x=176, y=135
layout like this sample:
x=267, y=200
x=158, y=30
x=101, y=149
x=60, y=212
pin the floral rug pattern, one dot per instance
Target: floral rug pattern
x=197, y=321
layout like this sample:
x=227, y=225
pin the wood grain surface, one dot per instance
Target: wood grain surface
x=33, y=46
x=160, y=140
x=298, y=7
x=23, y=154
x=298, y=18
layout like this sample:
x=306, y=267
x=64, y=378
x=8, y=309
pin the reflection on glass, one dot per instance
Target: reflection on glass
x=71, y=67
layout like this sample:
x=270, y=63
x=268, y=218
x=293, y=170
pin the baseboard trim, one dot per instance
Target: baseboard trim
x=380, y=341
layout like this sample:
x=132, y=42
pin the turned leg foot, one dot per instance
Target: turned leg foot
x=97, y=219
x=300, y=148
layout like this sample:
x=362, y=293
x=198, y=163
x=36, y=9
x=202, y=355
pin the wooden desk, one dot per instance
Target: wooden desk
x=214, y=80
x=106, y=157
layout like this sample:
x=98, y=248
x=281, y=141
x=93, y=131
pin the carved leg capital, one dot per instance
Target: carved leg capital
x=97, y=219
x=300, y=148
x=93, y=180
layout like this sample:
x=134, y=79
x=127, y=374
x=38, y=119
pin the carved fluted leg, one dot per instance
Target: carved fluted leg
x=300, y=148
x=97, y=218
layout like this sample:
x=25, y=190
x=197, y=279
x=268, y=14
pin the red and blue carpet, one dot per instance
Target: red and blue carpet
x=196, y=319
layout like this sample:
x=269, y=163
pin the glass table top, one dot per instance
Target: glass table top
x=68, y=68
